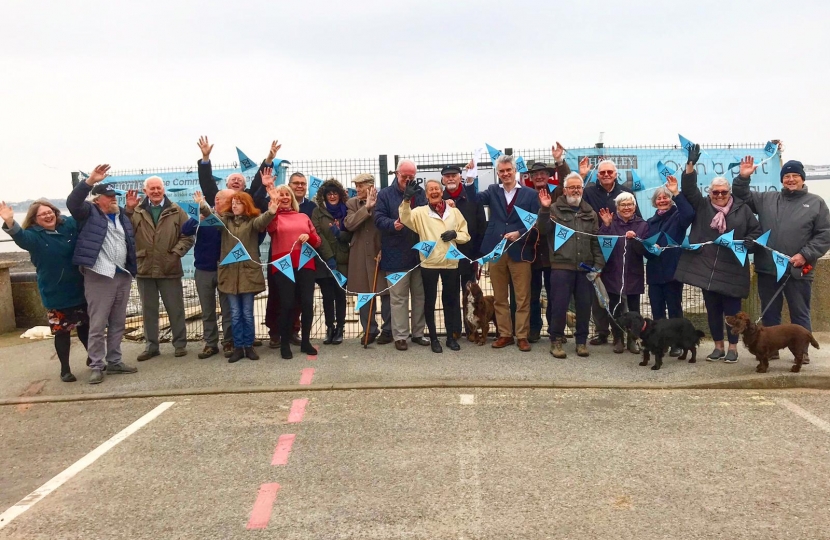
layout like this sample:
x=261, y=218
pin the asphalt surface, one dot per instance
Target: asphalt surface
x=34, y=363
x=430, y=464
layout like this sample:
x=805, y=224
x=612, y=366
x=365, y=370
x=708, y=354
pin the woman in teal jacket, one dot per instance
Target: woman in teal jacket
x=50, y=239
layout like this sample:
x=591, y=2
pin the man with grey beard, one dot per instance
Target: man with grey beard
x=573, y=212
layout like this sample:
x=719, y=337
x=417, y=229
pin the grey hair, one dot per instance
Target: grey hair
x=147, y=180
x=244, y=180
x=606, y=162
x=625, y=196
x=719, y=181
x=572, y=175
x=505, y=159
x=662, y=190
x=433, y=181
x=401, y=162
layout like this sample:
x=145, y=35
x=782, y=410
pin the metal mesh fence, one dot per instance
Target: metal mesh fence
x=346, y=169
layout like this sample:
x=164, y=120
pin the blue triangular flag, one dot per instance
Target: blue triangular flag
x=637, y=183
x=175, y=189
x=191, y=209
x=686, y=245
x=314, y=184
x=528, y=219
x=664, y=172
x=725, y=239
x=341, y=279
x=425, y=248
x=606, y=244
x=362, y=300
x=763, y=239
x=770, y=149
x=685, y=143
x=246, y=163
x=283, y=264
x=498, y=251
x=781, y=261
x=670, y=241
x=306, y=254
x=351, y=192
x=551, y=187
x=237, y=254
x=211, y=221
x=453, y=254
x=396, y=277
x=739, y=249
x=562, y=234
x=520, y=164
x=650, y=244
x=494, y=153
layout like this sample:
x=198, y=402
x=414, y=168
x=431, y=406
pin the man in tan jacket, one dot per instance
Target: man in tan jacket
x=160, y=246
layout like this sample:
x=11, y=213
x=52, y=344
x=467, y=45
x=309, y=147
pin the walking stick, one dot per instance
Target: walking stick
x=371, y=316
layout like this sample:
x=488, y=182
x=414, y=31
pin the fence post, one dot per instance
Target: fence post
x=383, y=163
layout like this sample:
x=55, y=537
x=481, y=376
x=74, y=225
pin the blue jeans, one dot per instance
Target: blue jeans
x=666, y=297
x=798, y=293
x=242, y=319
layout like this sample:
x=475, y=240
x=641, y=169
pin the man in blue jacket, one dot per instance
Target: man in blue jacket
x=799, y=222
x=515, y=264
x=105, y=253
x=397, y=255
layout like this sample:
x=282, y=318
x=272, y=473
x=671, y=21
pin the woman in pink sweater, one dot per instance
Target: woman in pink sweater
x=289, y=231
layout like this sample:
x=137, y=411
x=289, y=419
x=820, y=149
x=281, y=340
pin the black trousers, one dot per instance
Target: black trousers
x=719, y=306
x=334, y=301
x=292, y=294
x=666, y=296
x=449, y=298
x=619, y=307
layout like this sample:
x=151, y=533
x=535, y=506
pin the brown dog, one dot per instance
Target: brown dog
x=479, y=311
x=763, y=341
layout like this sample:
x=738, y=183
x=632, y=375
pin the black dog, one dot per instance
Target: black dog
x=658, y=336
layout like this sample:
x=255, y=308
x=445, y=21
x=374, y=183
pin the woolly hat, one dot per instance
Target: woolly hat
x=793, y=166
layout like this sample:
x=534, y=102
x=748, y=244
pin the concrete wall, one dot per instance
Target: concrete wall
x=28, y=309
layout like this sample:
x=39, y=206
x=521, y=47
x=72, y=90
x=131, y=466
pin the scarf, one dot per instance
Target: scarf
x=439, y=208
x=719, y=221
x=661, y=212
x=457, y=192
x=338, y=211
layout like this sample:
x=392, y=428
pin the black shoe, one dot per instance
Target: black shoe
x=385, y=338
x=227, y=349
x=329, y=334
x=308, y=348
x=453, y=345
x=251, y=354
x=68, y=377
x=436, y=346
x=295, y=339
x=534, y=336
x=599, y=339
x=337, y=339
x=372, y=337
x=88, y=361
x=237, y=355
x=421, y=341
x=274, y=343
x=285, y=352
x=674, y=352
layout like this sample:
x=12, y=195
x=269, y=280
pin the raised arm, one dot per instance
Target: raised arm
x=206, y=182
x=24, y=239
x=543, y=221
x=76, y=203
x=255, y=191
x=740, y=186
x=688, y=180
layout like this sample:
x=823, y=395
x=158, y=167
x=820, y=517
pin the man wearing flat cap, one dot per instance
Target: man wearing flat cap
x=799, y=222
x=365, y=247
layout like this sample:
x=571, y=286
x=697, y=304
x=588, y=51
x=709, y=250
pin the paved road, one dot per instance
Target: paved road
x=429, y=464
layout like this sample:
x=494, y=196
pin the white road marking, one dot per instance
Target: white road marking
x=34, y=497
x=807, y=415
x=468, y=399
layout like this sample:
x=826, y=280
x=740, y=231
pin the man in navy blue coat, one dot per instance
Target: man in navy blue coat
x=514, y=265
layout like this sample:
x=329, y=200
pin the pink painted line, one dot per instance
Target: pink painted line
x=312, y=357
x=284, y=445
x=261, y=513
x=307, y=375
x=297, y=411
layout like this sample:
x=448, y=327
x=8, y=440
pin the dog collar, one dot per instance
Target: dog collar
x=644, y=327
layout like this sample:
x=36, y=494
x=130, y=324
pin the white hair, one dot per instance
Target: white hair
x=625, y=196
x=147, y=181
x=505, y=159
x=405, y=161
x=244, y=180
x=719, y=181
x=572, y=175
x=433, y=181
x=606, y=162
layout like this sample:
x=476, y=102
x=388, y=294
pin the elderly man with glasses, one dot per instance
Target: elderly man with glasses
x=599, y=196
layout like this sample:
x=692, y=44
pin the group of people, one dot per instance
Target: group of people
x=86, y=262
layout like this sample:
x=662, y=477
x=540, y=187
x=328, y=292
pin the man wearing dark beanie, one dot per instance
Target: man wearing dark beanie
x=799, y=222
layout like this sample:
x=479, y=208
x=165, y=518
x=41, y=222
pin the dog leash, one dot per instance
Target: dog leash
x=774, y=296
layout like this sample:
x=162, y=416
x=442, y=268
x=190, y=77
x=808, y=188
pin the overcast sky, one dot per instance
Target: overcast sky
x=135, y=84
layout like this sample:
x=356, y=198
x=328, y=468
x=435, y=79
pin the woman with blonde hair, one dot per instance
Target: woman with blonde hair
x=241, y=281
x=50, y=239
x=289, y=231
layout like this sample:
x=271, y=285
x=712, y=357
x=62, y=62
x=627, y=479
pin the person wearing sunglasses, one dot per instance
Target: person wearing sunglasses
x=715, y=268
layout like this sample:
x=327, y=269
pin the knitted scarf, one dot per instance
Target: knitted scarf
x=719, y=221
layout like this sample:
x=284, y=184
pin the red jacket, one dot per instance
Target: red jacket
x=284, y=231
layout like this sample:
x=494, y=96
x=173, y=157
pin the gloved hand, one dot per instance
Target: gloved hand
x=749, y=244
x=332, y=263
x=411, y=190
x=335, y=230
x=449, y=236
x=694, y=154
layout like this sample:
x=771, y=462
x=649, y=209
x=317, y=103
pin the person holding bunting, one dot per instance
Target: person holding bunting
x=714, y=267
x=328, y=218
x=673, y=216
x=240, y=272
x=442, y=224
x=289, y=231
x=798, y=223
x=571, y=256
x=514, y=265
x=623, y=275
